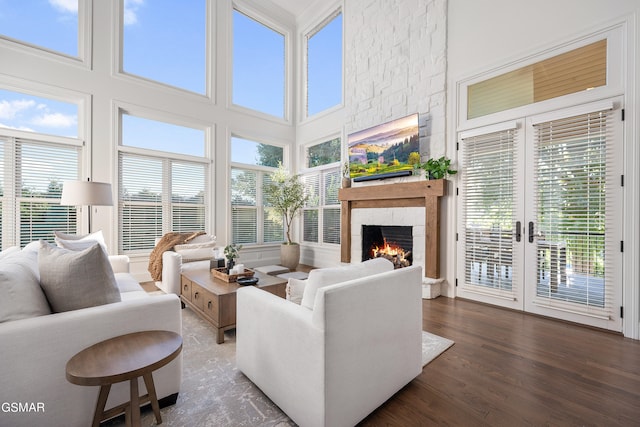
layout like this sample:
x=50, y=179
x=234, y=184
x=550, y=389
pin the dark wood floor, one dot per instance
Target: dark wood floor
x=508, y=368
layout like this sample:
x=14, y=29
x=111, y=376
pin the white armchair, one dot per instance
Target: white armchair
x=333, y=365
x=195, y=255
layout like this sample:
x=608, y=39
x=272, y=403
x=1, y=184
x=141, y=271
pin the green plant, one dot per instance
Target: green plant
x=285, y=195
x=438, y=168
x=232, y=251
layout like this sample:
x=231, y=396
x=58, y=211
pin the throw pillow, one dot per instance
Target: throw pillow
x=196, y=251
x=76, y=242
x=9, y=251
x=72, y=280
x=22, y=296
x=295, y=290
x=322, y=277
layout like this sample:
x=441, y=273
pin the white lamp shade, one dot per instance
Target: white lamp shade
x=86, y=193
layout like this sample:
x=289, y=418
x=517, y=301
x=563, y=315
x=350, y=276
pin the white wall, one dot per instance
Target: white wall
x=489, y=34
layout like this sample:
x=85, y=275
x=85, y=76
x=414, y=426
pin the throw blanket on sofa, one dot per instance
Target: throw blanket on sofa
x=166, y=243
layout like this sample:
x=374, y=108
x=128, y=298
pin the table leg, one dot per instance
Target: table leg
x=153, y=397
x=219, y=335
x=135, y=402
x=100, y=404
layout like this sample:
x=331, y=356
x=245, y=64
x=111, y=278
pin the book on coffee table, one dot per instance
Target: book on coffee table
x=272, y=270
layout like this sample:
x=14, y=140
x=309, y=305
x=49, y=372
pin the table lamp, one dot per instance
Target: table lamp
x=86, y=193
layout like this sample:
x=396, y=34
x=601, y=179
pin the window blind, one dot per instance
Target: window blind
x=321, y=216
x=158, y=195
x=252, y=220
x=40, y=170
x=572, y=181
x=140, y=208
x=488, y=212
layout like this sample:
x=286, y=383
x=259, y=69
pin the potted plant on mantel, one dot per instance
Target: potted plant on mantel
x=285, y=196
x=437, y=168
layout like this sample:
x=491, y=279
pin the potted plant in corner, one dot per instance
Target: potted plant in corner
x=438, y=168
x=285, y=197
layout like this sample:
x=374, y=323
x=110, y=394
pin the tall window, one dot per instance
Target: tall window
x=31, y=178
x=51, y=24
x=258, y=66
x=324, y=65
x=39, y=150
x=160, y=192
x=156, y=45
x=251, y=218
x=321, y=215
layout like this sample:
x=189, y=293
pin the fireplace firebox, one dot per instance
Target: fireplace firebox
x=393, y=242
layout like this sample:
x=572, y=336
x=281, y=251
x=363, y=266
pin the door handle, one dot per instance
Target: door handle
x=518, y=231
x=530, y=231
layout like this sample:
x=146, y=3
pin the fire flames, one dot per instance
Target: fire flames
x=394, y=253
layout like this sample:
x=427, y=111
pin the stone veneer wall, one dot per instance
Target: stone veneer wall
x=395, y=65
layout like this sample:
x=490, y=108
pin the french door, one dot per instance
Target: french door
x=541, y=214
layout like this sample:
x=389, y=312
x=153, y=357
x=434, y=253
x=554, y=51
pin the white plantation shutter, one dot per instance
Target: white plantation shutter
x=488, y=219
x=574, y=182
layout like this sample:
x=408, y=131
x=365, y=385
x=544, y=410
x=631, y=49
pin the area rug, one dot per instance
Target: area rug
x=215, y=393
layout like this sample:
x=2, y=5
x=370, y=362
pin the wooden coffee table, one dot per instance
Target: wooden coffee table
x=215, y=300
x=126, y=357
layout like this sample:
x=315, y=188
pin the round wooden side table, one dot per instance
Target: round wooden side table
x=122, y=358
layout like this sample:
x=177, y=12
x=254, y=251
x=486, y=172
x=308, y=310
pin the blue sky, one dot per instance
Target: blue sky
x=157, y=47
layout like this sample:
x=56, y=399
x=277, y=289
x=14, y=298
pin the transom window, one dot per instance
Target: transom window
x=37, y=21
x=30, y=113
x=578, y=70
x=258, y=66
x=156, y=45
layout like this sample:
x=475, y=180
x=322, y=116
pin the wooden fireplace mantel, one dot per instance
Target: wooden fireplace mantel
x=398, y=195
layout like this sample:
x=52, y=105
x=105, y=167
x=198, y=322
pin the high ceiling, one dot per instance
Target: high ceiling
x=296, y=7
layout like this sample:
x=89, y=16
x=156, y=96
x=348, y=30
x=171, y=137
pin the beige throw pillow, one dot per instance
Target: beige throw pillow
x=77, y=242
x=22, y=296
x=73, y=280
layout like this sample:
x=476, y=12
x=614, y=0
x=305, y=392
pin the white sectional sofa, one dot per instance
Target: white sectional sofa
x=354, y=341
x=34, y=351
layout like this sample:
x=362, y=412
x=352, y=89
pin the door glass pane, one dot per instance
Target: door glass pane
x=488, y=195
x=571, y=201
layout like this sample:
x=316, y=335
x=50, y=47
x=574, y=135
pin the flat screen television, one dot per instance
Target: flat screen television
x=384, y=151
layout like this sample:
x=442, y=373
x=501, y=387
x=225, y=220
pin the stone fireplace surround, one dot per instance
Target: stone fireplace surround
x=415, y=204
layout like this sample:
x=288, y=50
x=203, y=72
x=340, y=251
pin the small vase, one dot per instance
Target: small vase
x=230, y=264
x=346, y=182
